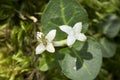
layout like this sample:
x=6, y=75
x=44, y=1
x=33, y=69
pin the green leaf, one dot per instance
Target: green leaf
x=63, y=12
x=86, y=60
x=43, y=65
x=111, y=26
x=108, y=47
x=47, y=62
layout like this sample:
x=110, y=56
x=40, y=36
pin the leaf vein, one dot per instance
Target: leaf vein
x=53, y=24
x=72, y=17
x=62, y=12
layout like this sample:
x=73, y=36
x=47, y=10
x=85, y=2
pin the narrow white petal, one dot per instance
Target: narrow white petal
x=70, y=40
x=39, y=35
x=81, y=37
x=40, y=49
x=78, y=27
x=51, y=35
x=67, y=29
x=50, y=48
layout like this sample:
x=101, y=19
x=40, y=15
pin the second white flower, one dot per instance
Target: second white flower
x=73, y=33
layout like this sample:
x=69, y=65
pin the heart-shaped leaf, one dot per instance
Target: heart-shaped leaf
x=63, y=12
x=81, y=63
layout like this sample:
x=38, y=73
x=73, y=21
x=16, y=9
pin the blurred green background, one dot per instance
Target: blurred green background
x=18, y=38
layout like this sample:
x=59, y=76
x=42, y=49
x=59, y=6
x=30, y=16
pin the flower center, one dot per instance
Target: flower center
x=44, y=40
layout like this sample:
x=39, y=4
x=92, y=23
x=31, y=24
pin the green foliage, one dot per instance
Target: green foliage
x=60, y=12
x=111, y=26
x=77, y=63
x=108, y=47
x=47, y=62
x=56, y=14
x=18, y=40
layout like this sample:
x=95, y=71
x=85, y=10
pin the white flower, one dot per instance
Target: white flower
x=73, y=33
x=46, y=42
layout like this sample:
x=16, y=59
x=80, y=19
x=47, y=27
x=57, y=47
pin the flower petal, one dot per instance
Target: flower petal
x=78, y=27
x=67, y=29
x=40, y=49
x=39, y=35
x=81, y=37
x=51, y=35
x=70, y=40
x=50, y=48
